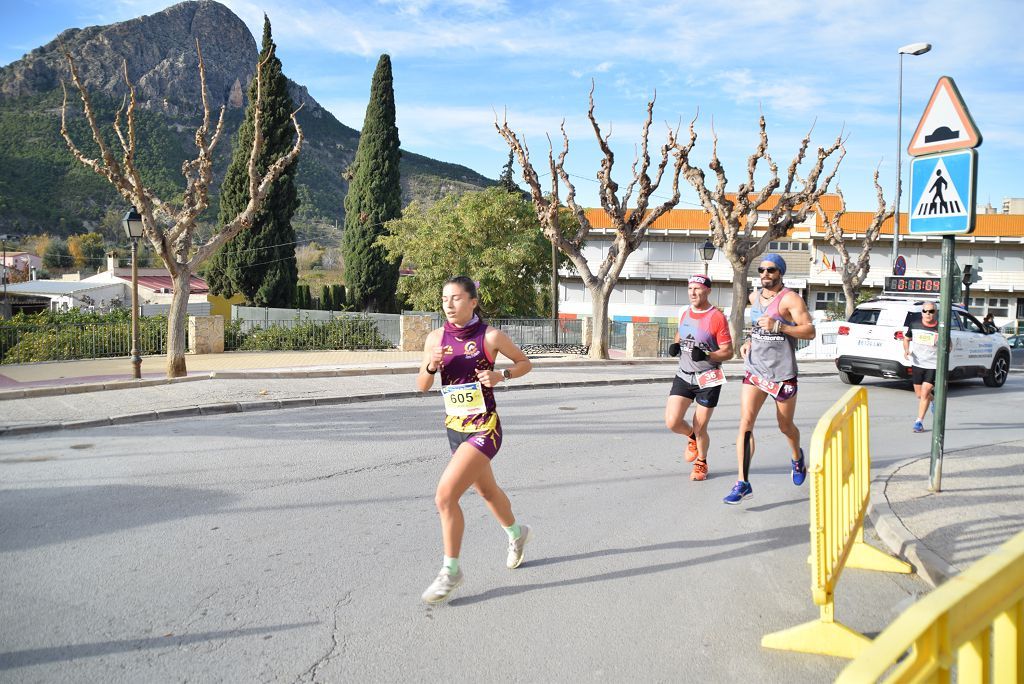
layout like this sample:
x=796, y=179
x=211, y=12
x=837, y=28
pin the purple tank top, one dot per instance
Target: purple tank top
x=464, y=354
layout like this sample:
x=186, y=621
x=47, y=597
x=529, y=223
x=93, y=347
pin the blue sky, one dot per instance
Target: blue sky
x=828, y=63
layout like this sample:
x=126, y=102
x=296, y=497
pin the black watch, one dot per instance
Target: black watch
x=506, y=374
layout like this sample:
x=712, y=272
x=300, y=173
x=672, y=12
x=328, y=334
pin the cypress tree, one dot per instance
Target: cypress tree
x=259, y=263
x=325, y=298
x=338, y=296
x=374, y=197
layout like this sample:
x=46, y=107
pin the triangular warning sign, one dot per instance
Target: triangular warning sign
x=946, y=124
x=940, y=197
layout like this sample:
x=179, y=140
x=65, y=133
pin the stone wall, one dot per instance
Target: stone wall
x=641, y=340
x=414, y=332
x=206, y=334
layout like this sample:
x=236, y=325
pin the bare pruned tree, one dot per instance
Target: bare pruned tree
x=734, y=217
x=854, y=271
x=630, y=225
x=171, y=230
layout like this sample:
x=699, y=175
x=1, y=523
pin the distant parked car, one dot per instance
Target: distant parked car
x=1016, y=351
x=871, y=343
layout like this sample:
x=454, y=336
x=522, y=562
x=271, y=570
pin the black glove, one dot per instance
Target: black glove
x=673, y=349
x=698, y=354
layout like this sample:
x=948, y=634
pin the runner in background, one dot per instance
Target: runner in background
x=779, y=318
x=464, y=351
x=920, y=346
x=702, y=343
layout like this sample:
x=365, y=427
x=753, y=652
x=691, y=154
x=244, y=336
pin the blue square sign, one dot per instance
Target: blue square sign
x=942, y=193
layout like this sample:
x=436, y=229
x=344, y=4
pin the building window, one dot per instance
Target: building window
x=822, y=300
x=998, y=307
x=787, y=246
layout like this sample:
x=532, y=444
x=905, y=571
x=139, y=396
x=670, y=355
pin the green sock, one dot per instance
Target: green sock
x=513, y=531
x=452, y=565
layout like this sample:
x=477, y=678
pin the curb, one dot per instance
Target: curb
x=301, y=402
x=59, y=390
x=928, y=565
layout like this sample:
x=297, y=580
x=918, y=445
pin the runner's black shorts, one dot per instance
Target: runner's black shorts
x=919, y=376
x=707, y=397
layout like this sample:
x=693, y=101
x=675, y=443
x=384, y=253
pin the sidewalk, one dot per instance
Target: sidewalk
x=939, y=534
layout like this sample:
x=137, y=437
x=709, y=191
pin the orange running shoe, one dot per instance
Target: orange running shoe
x=691, y=451
x=700, y=471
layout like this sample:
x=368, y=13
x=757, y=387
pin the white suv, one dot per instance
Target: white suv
x=871, y=343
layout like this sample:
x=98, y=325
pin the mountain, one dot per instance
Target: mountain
x=42, y=189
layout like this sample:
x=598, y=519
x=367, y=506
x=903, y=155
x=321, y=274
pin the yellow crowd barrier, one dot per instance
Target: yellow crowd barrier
x=840, y=474
x=974, y=622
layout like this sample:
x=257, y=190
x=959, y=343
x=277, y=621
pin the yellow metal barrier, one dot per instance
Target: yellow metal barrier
x=974, y=622
x=840, y=473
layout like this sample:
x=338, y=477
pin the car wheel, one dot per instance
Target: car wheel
x=996, y=375
x=854, y=378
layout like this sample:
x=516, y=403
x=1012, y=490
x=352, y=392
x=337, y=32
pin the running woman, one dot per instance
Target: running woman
x=921, y=347
x=780, y=318
x=702, y=343
x=464, y=351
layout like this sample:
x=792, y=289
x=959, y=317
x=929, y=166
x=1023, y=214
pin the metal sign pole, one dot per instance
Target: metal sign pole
x=942, y=367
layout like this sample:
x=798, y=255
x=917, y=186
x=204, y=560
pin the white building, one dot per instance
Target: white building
x=652, y=286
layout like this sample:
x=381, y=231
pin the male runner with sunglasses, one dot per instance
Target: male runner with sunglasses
x=780, y=318
x=920, y=346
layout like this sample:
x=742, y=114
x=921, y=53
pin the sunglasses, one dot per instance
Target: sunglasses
x=767, y=269
x=928, y=311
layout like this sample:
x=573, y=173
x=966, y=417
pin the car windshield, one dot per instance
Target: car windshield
x=892, y=317
x=865, y=316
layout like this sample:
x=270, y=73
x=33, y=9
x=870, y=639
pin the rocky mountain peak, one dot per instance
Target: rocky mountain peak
x=160, y=50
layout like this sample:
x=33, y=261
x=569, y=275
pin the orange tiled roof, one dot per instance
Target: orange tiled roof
x=986, y=225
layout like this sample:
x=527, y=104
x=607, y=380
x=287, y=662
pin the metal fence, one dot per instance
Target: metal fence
x=254, y=329
x=541, y=331
x=666, y=336
x=25, y=343
x=617, y=334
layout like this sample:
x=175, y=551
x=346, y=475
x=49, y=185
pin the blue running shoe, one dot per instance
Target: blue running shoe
x=799, y=470
x=918, y=427
x=740, y=491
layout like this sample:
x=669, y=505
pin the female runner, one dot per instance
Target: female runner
x=464, y=351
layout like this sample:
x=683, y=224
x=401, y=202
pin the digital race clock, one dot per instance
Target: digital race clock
x=913, y=285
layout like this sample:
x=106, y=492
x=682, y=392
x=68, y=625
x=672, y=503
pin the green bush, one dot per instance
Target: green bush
x=59, y=336
x=341, y=333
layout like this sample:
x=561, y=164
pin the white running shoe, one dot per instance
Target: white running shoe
x=516, y=546
x=442, y=587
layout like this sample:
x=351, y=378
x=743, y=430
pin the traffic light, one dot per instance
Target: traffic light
x=967, y=279
x=976, y=271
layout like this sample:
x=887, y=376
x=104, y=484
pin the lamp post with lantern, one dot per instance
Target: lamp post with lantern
x=707, y=253
x=132, y=223
x=912, y=49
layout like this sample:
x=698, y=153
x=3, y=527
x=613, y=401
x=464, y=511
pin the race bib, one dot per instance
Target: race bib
x=769, y=387
x=463, y=400
x=925, y=338
x=711, y=378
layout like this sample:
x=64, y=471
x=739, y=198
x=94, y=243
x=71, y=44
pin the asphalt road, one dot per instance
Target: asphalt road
x=292, y=545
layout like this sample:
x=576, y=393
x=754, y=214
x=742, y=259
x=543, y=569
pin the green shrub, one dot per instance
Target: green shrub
x=340, y=333
x=58, y=336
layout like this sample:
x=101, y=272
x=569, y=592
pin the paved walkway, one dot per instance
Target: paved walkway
x=939, y=534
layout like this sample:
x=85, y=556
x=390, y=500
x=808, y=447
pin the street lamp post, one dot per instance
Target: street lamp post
x=707, y=253
x=4, y=276
x=132, y=224
x=912, y=49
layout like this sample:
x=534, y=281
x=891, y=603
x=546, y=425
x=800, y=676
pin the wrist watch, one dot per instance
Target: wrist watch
x=506, y=374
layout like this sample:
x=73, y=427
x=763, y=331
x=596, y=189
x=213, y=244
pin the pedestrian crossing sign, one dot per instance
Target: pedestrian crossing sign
x=942, y=192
